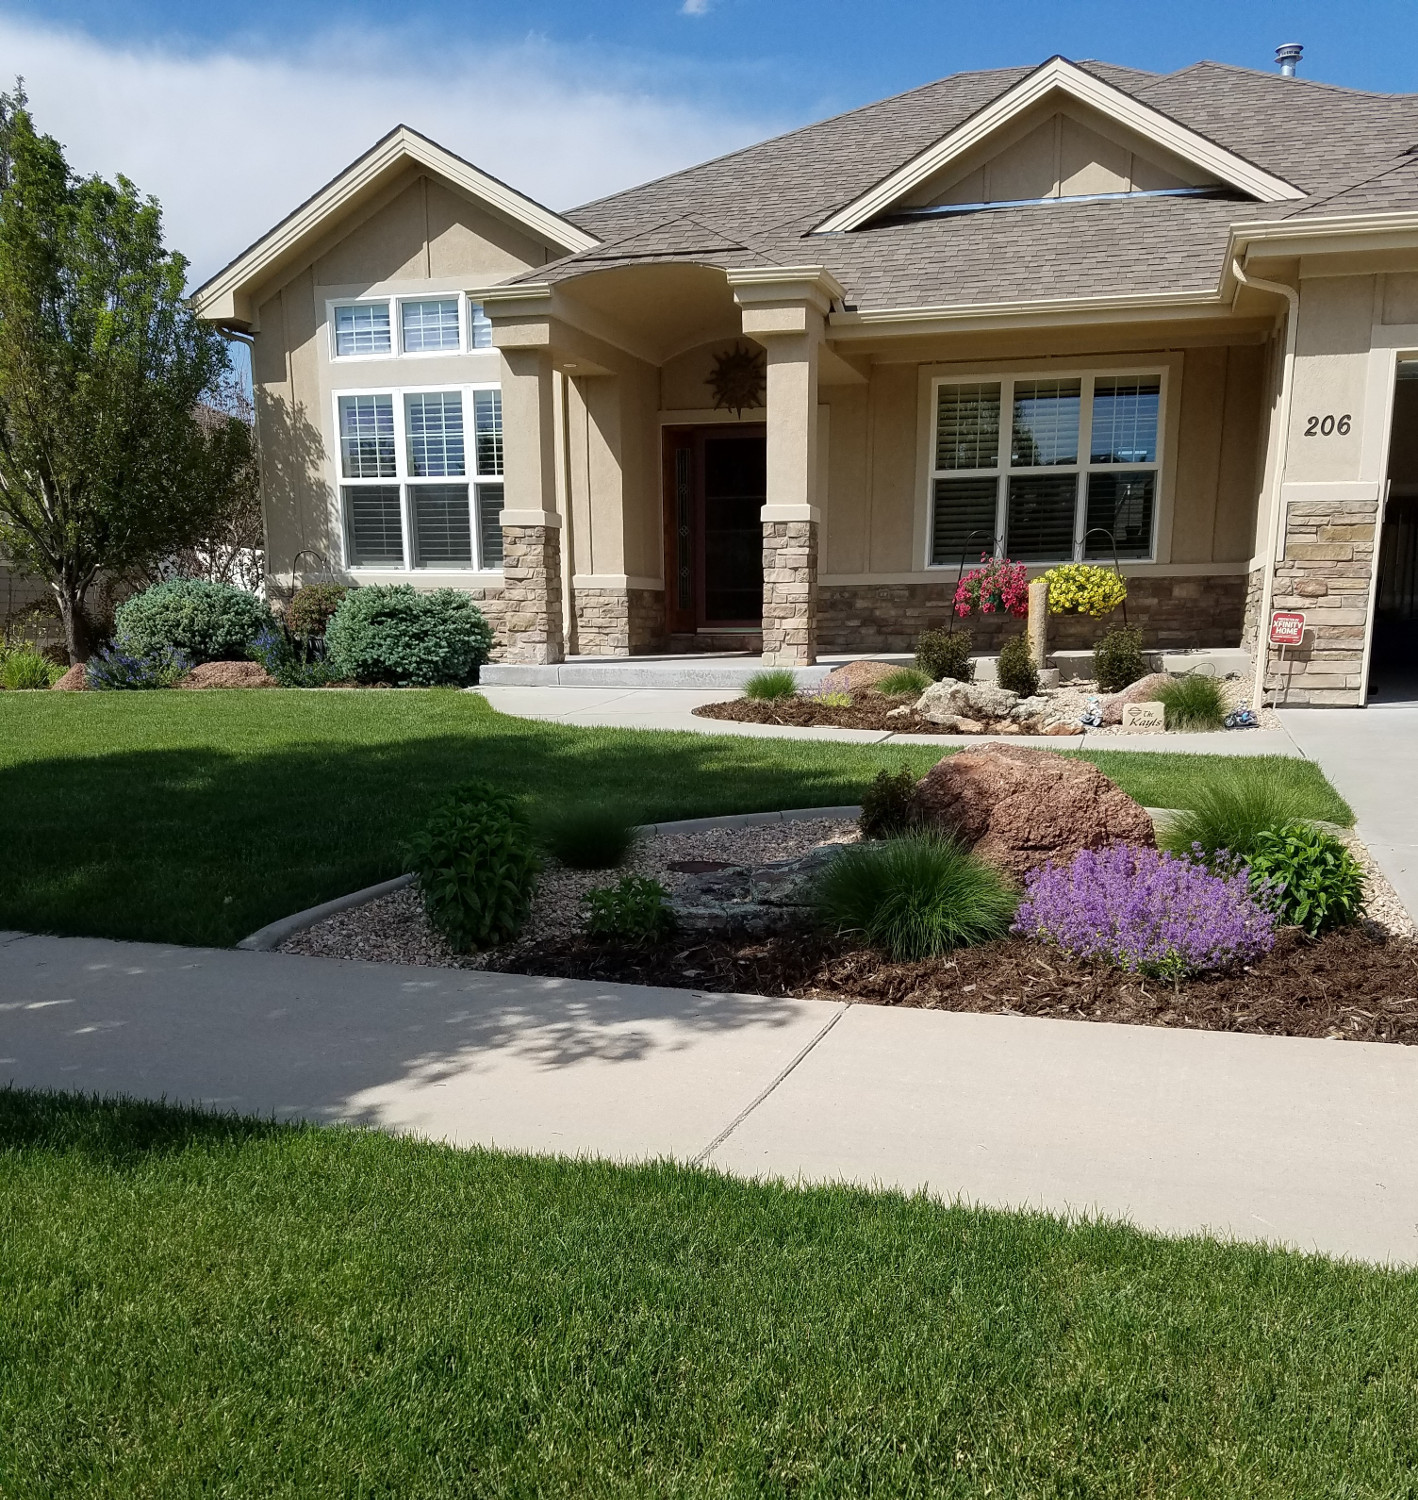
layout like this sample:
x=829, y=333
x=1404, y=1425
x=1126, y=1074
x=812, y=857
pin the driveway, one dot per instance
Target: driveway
x=1307, y=1143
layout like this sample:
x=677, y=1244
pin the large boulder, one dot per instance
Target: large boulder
x=1144, y=690
x=948, y=702
x=853, y=675
x=1018, y=807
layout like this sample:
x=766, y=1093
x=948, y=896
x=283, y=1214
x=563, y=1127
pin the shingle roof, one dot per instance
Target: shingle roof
x=1346, y=150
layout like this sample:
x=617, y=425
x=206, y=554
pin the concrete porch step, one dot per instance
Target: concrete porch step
x=677, y=671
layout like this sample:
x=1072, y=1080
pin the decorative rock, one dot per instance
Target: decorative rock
x=966, y=726
x=949, y=699
x=853, y=675
x=1019, y=808
x=228, y=674
x=1144, y=690
x=1059, y=727
x=75, y=680
x=902, y=712
x=753, y=900
x=1029, y=708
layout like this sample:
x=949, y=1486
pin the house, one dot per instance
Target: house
x=1163, y=321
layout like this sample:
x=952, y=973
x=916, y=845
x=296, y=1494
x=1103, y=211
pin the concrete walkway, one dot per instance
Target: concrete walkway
x=672, y=708
x=1307, y=1143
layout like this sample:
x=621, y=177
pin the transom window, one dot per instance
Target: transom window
x=413, y=493
x=1045, y=470
x=445, y=324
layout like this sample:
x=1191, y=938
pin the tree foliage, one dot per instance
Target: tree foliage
x=105, y=463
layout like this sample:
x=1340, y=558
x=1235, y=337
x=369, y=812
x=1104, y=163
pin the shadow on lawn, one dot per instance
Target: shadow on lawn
x=201, y=845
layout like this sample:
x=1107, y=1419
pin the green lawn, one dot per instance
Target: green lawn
x=199, y=817
x=192, y=1305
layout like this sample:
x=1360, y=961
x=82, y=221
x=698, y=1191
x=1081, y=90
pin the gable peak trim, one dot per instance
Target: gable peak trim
x=1059, y=75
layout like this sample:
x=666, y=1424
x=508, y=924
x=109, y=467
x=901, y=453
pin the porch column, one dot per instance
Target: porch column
x=784, y=309
x=532, y=619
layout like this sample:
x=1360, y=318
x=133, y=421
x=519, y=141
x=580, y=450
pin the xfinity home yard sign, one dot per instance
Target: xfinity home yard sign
x=1287, y=628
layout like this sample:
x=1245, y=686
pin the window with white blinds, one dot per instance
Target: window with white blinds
x=413, y=493
x=447, y=324
x=430, y=325
x=1045, y=470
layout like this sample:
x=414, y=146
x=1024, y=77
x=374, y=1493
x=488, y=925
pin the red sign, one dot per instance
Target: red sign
x=1287, y=628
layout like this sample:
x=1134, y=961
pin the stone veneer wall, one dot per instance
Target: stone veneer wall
x=1172, y=611
x=618, y=622
x=1326, y=571
x=530, y=627
x=790, y=595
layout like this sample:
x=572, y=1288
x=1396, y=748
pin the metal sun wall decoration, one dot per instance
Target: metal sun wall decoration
x=738, y=379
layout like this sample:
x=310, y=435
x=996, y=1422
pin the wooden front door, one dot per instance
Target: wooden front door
x=715, y=487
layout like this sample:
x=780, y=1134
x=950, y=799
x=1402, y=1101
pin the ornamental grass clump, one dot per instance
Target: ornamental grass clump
x=1146, y=912
x=592, y=836
x=1193, y=703
x=771, y=685
x=902, y=681
x=1231, y=811
x=27, y=669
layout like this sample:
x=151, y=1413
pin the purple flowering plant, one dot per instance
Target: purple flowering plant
x=119, y=666
x=1147, y=912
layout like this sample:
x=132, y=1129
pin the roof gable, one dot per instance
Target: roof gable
x=1173, y=153
x=226, y=297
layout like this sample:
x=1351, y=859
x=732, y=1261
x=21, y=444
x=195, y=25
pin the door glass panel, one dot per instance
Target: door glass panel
x=735, y=486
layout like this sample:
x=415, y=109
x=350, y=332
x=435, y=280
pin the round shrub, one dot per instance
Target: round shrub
x=1016, y=670
x=942, y=653
x=204, y=621
x=1306, y=877
x=889, y=805
x=914, y=897
x=312, y=607
x=1118, y=660
x=393, y=633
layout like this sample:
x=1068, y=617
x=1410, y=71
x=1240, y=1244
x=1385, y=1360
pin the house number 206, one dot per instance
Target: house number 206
x=1327, y=426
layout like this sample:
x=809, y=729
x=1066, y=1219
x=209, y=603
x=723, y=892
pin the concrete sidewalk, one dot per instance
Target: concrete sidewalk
x=1308, y=1143
x=672, y=708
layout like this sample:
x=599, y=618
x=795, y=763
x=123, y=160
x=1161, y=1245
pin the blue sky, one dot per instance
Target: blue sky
x=232, y=114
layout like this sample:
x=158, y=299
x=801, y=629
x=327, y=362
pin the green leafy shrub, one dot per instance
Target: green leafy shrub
x=902, y=681
x=634, y=910
x=594, y=836
x=1307, y=877
x=1016, y=670
x=914, y=897
x=1117, y=659
x=311, y=608
x=833, y=700
x=942, y=653
x=889, y=805
x=768, y=686
x=476, y=868
x=27, y=669
x=204, y=621
x=393, y=633
x=1230, y=812
x=1193, y=702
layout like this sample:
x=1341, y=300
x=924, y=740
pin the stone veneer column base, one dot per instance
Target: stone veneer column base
x=618, y=622
x=1326, y=572
x=789, y=593
x=531, y=595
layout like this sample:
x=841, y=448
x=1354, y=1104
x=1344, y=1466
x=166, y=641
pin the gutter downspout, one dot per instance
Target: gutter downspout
x=1287, y=387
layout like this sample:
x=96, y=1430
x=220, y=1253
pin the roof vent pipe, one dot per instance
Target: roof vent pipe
x=1288, y=56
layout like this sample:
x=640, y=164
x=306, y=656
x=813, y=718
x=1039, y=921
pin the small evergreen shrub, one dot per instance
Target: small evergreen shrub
x=1117, y=659
x=941, y=653
x=770, y=685
x=634, y=910
x=1016, y=670
x=1230, y=812
x=595, y=836
x=902, y=681
x=1307, y=877
x=393, y=633
x=28, y=669
x=294, y=661
x=889, y=805
x=311, y=608
x=115, y=668
x=205, y=621
x=914, y=897
x=476, y=868
x=1193, y=702
x=1146, y=912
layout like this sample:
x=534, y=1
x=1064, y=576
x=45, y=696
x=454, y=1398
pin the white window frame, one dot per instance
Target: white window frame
x=331, y=308
x=407, y=481
x=395, y=304
x=1087, y=377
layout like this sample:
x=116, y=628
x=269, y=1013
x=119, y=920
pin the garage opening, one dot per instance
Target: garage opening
x=1393, y=664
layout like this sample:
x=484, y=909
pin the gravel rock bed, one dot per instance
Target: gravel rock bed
x=394, y=929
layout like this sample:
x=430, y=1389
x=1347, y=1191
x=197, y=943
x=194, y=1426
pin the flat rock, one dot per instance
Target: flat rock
x=1144, y=690
x=1019, y=807
x=754, y=900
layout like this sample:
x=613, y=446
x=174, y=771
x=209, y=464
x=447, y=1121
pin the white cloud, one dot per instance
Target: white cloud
x=695, y=7
x=231, y=143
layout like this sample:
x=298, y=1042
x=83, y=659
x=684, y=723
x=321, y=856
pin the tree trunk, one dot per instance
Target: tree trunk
x=78, y=634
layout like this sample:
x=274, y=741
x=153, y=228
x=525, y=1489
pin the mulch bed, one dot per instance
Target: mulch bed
x=866, y=711
x=1353, y=985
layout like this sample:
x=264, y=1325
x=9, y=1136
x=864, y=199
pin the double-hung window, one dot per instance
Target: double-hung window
x=1045, y=470
x=421, y=478
x=447, y=323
